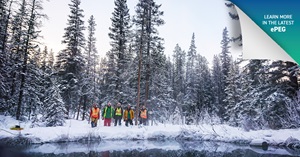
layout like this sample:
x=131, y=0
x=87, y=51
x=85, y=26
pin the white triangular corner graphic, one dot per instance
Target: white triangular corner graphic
x=257, y=44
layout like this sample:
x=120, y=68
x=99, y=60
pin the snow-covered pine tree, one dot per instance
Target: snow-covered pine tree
x=233, y=93
x=161, y=98
x=169, y=69
x=120, y=35
x=93, y=61
x=88, y=82
x=29, y=47
x=249, y=109
x=16, y=55
x=225, y=58
x=281, y=87
x=139, y=45
x=203, y=86
x=54, y=111
x=190, y=94
x=146, y=21
x=179, y=79
x=4, y=60
x=5, y=12
x=153, y=20
x=110, y=78
x=70, y=61
x=34, y=86
x=217, y=81
x=130, y=76
x=102, y=83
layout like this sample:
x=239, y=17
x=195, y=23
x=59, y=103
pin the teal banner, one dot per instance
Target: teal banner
x=279, y=19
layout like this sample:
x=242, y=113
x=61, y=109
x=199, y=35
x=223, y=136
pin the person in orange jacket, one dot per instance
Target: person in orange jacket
x=143, y=115
x=95, y=115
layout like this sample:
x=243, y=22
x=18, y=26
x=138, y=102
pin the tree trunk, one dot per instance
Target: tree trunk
x=148, y=29
x=24, y=69
x=78, y=109
x=84, y=106
x=139, y=71
x=6, y=28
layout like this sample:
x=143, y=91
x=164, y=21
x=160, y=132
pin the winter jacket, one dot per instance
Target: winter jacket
x=108, y=112
x=143, y=110
x=131, y=114
x=95, y=112
x=117, y=111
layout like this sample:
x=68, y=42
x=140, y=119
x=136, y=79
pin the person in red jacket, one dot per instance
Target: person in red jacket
x=95, y=115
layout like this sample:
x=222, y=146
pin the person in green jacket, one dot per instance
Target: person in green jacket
x=107, y=114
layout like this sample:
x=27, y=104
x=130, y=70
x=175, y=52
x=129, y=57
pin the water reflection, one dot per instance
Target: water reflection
x=153, y=149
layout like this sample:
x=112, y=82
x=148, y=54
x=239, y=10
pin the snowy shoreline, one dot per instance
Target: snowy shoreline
x=75, y=130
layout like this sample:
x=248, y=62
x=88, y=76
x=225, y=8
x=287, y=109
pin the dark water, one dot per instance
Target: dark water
x=147, y=149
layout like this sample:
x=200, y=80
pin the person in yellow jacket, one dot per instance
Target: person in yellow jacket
x=95, y=115
x=118, y=114
x=128, y=115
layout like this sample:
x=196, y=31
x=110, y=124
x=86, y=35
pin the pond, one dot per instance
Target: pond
x=149, y=149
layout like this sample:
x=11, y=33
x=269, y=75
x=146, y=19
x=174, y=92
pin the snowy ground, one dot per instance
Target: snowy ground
x=81, y=131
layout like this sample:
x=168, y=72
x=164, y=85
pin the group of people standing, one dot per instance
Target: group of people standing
x=117, y=113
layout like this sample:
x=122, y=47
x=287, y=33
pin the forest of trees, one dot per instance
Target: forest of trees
x=46, y=87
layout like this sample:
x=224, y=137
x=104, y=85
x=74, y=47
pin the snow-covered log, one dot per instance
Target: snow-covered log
x=259, y=143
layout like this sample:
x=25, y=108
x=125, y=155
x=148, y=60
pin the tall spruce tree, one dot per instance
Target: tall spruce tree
x=16, y=56
x=4, y=70
x=233, y=93
x=148, y=17
x=179, y=79
x=225, y=58
x=190, y=95
x=88, y=88
x=203, y=86
x=120, y=36
x=70, y=61
x=217, y=79
x=29, y=48
x=54, y=111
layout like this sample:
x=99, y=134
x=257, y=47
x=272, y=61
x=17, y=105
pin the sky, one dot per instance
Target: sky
x=206, y=19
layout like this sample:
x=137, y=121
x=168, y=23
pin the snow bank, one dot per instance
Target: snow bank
x=75, y=130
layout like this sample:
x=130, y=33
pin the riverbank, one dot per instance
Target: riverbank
x=75, y=130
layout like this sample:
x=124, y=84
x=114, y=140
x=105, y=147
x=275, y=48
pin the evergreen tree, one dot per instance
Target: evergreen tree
x=225, y=58
x=249, y=109
x=16, y=57
x=70, y=61
x=179, y=79
x=54, y=111
x=88, y=89
x=148, y=17
x=4, y=60
x=34, y=90
x=217, y=79
x=280, y=88
x=28, y=48
x=190, y=96
x=5, y=12
x=203, y=86
x=161, y=97
x=120, y=34
x=233, y=93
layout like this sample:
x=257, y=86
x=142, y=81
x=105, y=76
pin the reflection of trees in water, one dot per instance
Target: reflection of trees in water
x=161, y=153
